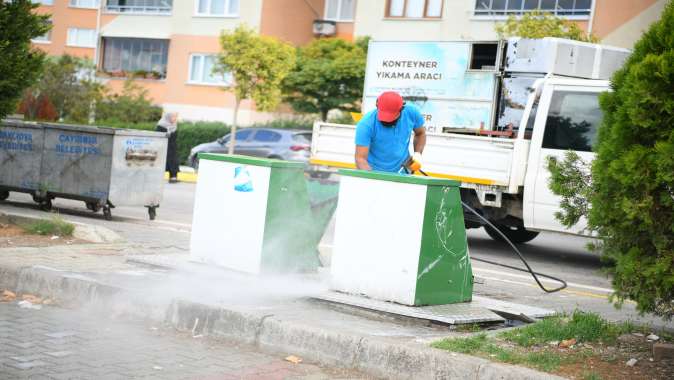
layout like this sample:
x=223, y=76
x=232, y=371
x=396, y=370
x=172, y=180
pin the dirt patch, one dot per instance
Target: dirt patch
x=610, y=362
x=12, y=235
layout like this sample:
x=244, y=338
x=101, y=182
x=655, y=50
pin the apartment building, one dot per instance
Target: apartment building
x=170, y=45
x=615, y=22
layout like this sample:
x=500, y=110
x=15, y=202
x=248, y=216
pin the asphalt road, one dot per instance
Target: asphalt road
x=558, y=255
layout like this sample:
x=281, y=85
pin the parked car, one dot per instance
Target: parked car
x=282, y=144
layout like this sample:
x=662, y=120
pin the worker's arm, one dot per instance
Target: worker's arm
x=419, y=139
x=361, y=157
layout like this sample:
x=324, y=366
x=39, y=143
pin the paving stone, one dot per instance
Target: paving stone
x=59, y=354
x=61, y=334
x=27, y=365
x=69, y=344
x=28, y=358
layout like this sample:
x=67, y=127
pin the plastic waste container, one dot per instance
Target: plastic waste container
x=20, y=157
x=400, y=238
x=255, y=215
x=104, y=167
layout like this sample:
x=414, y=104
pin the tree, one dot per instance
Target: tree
x=631, y=195
x=132, y=105
x=329, y=75
x=68, y=84
x=538, y=25
x=20, y=65
x=257, y=65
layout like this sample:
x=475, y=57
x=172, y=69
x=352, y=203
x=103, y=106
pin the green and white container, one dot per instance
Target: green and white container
x=253, y=215
x=401, y=238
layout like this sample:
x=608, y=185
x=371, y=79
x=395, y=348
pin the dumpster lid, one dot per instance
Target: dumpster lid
x=138, y=132
x=81, y=128
x=403, y=178
x=16, y=123
x=248, y=160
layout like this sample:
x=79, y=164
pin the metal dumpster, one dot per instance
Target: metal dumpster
x=255, y=215
x=401, y=238
x=104, y=167
x=20, y=157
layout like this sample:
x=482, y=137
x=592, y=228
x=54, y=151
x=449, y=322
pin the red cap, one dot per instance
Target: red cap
x=389, y=105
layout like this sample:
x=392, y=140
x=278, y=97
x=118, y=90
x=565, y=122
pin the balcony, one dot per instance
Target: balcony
x=152, y=7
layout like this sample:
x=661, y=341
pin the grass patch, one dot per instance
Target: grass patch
x=591, y=376
x=469, y=328
x=582, y=326
x=531, y=342
x=54, y=226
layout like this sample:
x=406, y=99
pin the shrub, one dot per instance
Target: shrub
x=632, y=191
x=193, y=134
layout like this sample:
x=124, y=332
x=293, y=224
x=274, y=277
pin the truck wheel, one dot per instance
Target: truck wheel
x=517, y=235
x=152, y=212
x=4, y=195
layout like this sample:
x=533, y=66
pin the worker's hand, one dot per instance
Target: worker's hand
x=415, y=163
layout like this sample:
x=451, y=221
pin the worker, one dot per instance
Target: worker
x=383, y=136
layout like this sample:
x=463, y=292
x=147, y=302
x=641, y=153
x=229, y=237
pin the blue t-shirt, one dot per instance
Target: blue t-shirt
x=389, y=146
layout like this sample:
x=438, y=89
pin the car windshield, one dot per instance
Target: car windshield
x=302, y=138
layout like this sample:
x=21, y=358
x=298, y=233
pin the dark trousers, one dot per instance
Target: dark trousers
x=172, y=161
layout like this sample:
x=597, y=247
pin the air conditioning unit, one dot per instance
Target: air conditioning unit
x=325, y=27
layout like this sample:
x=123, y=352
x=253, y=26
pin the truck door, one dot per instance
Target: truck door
x=567, y=119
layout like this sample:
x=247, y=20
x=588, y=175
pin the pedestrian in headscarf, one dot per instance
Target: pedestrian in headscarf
x=169, y=124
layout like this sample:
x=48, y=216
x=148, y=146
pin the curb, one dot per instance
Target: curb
x=184, y=177
x=376, y=357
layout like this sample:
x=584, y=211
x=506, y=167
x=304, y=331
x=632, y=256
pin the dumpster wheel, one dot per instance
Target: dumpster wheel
x=107, y=213
x=45, y=204
x=152, y=212
x=93, y=206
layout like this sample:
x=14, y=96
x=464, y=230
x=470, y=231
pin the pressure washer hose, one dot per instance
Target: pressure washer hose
x=517, y=251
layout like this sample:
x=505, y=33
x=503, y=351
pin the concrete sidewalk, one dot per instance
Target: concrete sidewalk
x=273, y=314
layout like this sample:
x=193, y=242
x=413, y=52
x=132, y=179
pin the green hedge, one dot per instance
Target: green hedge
x=191, y=134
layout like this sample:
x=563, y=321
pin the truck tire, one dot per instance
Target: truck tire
x=517, y=235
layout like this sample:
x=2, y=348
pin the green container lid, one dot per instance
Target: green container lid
x=403, y=178
x=248, y=160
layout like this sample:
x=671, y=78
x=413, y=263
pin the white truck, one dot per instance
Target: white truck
x=494, y=112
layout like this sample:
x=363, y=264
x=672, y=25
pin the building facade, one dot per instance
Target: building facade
x=169, y=46
x=615, y=22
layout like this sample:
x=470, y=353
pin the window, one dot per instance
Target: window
x=518, y=7
x=44, y=2
x=201, y=71
x=243, y=135
x=132, y=55
x=572, y=121
x=483, y=56
x=218, y=8
x=45, y=38
x=81, y=37
x=414, y=8
x=302, y=137
x=264, y=135
x=140, y=6
x=340, y=10
x=84, y=3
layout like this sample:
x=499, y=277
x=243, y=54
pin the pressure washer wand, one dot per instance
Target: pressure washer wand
x=517, y=251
